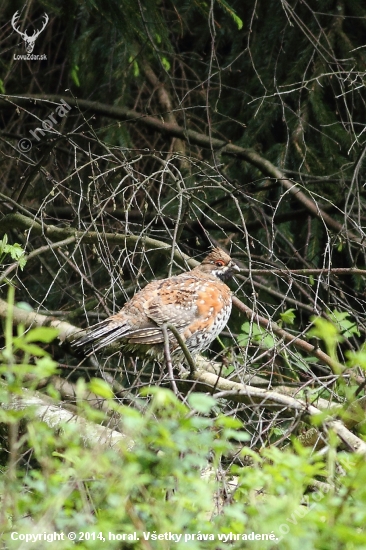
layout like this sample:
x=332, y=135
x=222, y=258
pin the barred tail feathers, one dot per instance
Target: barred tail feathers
x=104, y=333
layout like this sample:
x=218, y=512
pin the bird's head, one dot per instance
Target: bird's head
x=219, y=264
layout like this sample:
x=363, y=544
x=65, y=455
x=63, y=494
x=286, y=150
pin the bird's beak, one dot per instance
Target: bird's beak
x=234, y=266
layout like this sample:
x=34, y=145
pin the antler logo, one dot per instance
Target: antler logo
x=29, y=40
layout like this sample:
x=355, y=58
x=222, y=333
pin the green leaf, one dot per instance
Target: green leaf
x=136, y=69
x=101, y=388
x=3, y=243
x=46, y=367
x=32, y=349
x=17, y=253
x=14, y=250
x=347, y=328
x=201, y=402
x=328, y=332
x=257, y=334
x=238, y=435
x=135, y=65
x=165, y=63
x=288, y=316
x=232, y=13
x=41, y=334
x=74, y=73
x=25, y=306
x=357, y=358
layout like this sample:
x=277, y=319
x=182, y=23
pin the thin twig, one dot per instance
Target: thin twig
x=36, y=252
x=195, y=138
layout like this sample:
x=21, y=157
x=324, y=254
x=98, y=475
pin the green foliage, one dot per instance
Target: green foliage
x=314, y=520
x=156, y=487
x=232, y=13
x=100, y=387
x=165, y=63
x=288, y=316
x=19, y=351
x=153, y=483
x=136, y=69
x=345, y=326
x=74, y=73
x=15, y=251
x=328, y=332
x=255, y=333
x=357, y=358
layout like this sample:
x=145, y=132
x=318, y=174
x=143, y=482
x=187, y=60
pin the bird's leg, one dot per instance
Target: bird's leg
x=185, y=350
x=168, y=358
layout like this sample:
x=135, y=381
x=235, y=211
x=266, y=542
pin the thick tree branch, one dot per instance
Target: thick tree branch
x=267, y=398
x=20, y=221
x=55, y=416
x=31, y=318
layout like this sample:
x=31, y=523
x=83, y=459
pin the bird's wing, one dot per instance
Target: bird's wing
x=171, y=302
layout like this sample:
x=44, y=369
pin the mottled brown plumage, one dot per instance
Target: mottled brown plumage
x=197, y=303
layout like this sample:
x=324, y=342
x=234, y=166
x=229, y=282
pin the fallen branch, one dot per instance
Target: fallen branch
x=50, y=412
x=205, y=381
x=31, y=318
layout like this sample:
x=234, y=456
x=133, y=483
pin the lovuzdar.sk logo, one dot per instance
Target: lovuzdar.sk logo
x=29, y=41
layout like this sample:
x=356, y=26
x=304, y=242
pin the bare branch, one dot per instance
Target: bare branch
x=194, y=138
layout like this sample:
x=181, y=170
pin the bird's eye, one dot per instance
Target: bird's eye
x=220, y=263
